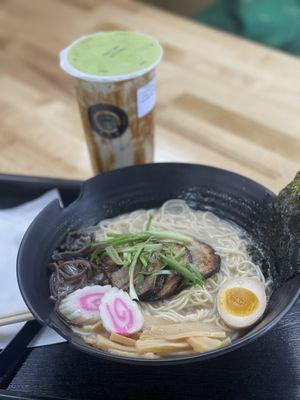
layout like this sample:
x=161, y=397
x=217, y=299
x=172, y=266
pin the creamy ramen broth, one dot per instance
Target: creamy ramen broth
x=194, y=305
x=228, y=240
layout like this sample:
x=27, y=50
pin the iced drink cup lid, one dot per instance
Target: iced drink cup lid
x=111, y=56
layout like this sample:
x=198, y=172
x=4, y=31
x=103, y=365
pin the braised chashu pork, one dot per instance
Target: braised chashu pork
x=158, y=286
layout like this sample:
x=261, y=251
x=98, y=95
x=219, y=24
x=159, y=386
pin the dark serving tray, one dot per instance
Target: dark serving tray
x=267, y=369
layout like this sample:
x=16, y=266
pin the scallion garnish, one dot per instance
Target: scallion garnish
x=147, y=247
x=178, y=256
x=96, y=253
x=127, y=260
x=143, y=260
x=130, y=249
x=132, y=292
x=113, y=254
x=190, y=276
x=163, y=272
x=148, y=223
x=193, y=269
x=137, y=237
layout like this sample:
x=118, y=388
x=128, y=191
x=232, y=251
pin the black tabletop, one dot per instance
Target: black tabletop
x=268, y=368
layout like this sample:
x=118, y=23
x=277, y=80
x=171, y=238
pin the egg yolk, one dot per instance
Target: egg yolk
x=239, y=301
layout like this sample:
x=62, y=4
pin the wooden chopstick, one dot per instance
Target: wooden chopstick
x=13, y=318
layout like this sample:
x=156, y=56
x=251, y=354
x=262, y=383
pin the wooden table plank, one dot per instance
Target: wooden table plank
x=222, y=100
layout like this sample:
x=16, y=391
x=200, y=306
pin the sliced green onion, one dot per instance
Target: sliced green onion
x=96, y=253
x=171, y=236
x=113, y=254
x=127, y=260
x=163, y=272
x=135, y=237
x=124, y=238
x=149, y=221
x=132, y=292
x=112, y=234
x=143, y=260
x=147, y=247
x=178, y=256
x=194, y=269
x=182, y=270
x=158, y=272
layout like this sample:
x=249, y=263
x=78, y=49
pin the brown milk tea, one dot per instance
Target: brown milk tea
x=114, y=78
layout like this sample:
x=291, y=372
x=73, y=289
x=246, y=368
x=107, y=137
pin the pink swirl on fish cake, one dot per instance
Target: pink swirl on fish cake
x=82, y=305
x=91, y=301
x=121, y=317
x=119, y=313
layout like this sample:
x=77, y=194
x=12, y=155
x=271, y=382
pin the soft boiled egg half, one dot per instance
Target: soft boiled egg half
x=241, y=302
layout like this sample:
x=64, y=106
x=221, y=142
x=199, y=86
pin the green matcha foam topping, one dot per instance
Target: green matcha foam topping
x=114, y=53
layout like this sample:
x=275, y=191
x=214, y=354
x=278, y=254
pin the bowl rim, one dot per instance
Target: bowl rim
x=241, y=342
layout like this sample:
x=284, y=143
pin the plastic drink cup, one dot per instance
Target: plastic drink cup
x=114, y=78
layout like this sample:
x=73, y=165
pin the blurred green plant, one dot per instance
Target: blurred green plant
x=275, y=23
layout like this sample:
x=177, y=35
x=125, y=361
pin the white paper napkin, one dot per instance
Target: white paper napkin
x=13, y=224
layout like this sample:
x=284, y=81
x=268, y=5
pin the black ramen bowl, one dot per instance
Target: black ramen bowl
x=228, y=195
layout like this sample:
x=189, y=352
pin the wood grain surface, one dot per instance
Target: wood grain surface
x=221, y=100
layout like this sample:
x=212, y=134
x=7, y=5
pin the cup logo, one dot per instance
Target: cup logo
x=107, y=121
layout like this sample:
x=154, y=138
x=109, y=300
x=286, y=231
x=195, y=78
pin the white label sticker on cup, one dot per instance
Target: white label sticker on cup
x=146, y=98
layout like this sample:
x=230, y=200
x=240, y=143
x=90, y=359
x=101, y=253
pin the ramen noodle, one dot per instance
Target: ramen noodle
x=166, y=268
